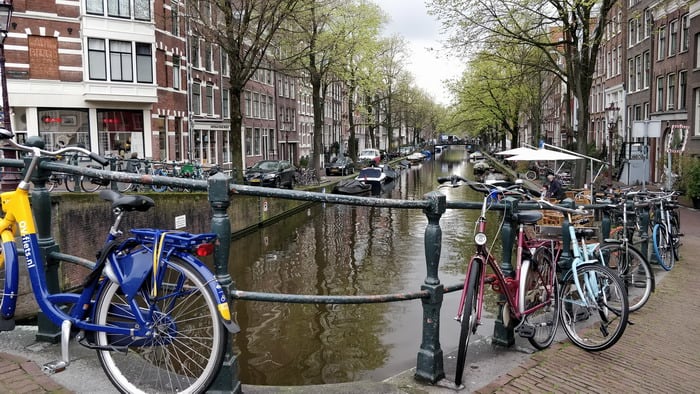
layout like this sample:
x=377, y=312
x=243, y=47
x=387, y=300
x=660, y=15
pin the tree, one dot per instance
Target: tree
x=324, y=35
x=568, y=34
x=245, y=30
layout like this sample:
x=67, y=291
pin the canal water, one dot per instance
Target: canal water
x=332, y=249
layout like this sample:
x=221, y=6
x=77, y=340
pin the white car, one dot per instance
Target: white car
x=370, y=155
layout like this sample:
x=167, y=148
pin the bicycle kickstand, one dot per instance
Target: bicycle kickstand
x=60, y=365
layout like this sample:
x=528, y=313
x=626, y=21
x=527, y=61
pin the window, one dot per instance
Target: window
x=225, y=105
x=118, y=8
x=271, y=107
x=682, y=87
x=144, y=63
x=256, y=105
x=175, y=18
x=248, y=141
x=96, y=59
x=208, y=57
x=638, y=72
x=648, y=23
x=263, y=106
x=177, y=73
x=685, y=25
x=661, y=47
x=660, y=93
x=194, y=52
x=95, y=7
x=224, y=63
x=696, y=92
x=209, y=104
x=647, y=69
x=196, y=98
x=672, y=37
x=632, y=33
x=256, y=141
x=248, y=105
x=697, y=50
x=630, y=75
x=142, y=10
x=120, y=61
x=671, y=92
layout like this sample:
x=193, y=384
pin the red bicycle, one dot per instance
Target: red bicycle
x=531, y=295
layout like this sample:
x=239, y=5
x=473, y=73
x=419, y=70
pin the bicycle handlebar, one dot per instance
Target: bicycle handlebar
x=7, y=135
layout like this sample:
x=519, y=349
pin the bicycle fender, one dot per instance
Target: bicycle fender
x=9, y=263
x=216, y=290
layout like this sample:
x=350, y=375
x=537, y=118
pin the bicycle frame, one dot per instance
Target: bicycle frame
x=138, y=266
x=509, y=286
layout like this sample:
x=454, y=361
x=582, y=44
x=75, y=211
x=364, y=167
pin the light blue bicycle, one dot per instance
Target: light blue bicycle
x=594, y=306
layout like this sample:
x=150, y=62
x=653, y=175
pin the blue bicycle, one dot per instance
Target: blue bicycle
x=154, y=313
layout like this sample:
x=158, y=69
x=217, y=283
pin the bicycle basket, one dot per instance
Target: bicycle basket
x=187, y=170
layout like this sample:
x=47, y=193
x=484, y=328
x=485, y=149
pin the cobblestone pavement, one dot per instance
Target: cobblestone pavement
x=660, y=352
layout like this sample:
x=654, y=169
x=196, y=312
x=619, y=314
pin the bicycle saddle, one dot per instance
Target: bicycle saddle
x=131, y=202
x=527, y=217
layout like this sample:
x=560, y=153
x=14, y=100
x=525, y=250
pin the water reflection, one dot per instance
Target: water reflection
x=345, y=250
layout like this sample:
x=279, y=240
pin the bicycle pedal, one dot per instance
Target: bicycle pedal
x=54, y=367
x=526, y=331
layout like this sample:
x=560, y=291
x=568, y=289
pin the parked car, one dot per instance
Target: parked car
x=275, y=173
x=341, y=165
x=370, y=155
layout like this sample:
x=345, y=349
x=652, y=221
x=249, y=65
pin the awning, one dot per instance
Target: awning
x=543, y=155
x=515, y=151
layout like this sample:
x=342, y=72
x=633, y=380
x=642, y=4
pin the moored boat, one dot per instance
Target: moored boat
x=352, y=187
x=373, y=176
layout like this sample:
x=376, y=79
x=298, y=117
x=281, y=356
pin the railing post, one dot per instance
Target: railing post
x=227, y=381
x=41, y=209
x=503, y=334
x=429, y=365
x=644, y=234
x=566, y=258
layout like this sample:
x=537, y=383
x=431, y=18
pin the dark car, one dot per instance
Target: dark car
x=275, y=173
x=342, y=165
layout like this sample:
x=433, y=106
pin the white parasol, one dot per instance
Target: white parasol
x=515, y=151
x=543, y=155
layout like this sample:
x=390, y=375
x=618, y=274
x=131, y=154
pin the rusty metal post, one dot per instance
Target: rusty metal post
x=227, y=381
x=430, y=364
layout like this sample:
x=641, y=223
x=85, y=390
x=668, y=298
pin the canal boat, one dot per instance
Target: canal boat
x=373, y=176
x=352, y=187
x=390, y=172
x=415, y=157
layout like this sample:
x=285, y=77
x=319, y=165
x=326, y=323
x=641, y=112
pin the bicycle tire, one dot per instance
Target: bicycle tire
x=662, y=247
x=539, y=289
x=531, y=175
x=51, y=183
x=468, y=322
x=9, y=275
x=633, y=268
x=159, y=188
x=597, y=321
x=124, y=187
x=88, y=185
x=71, y=182
x=675, y=236
x=188, y=347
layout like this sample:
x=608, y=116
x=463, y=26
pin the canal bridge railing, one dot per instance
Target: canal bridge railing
x=221, y=193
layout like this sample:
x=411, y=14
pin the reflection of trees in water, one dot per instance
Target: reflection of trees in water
x=338, y=250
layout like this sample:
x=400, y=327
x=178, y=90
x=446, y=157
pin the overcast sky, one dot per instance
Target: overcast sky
x=410, y=19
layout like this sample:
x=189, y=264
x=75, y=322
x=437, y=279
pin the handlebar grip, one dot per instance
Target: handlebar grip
x=102, y=160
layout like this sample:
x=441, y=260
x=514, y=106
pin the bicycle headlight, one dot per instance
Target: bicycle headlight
x=480, y=239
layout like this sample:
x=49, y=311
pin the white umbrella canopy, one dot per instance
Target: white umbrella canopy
x=515, y=151
x=543, y=155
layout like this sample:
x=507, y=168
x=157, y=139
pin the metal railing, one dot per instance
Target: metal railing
x=220, y=189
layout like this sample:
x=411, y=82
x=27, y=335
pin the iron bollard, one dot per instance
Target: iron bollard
x=430, y=364
x=227, y=380
x=565, y=259
x=41, y=209
x=503, y=334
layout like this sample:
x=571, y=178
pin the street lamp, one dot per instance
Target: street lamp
x=612, y=111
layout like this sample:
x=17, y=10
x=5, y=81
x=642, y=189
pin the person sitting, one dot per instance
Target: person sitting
x=553, y=188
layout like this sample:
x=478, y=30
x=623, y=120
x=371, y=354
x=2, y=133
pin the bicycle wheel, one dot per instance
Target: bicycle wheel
x=124, y=187
x=468, y=321
x=186, y=349
x=71, y=182
x=89, y=184
x=675, y=236
x=594, y=316
x=633, y=268
x=531, y=175
x=52, y=182
x=159, y=188
x=662, y=247
x=539, y=289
